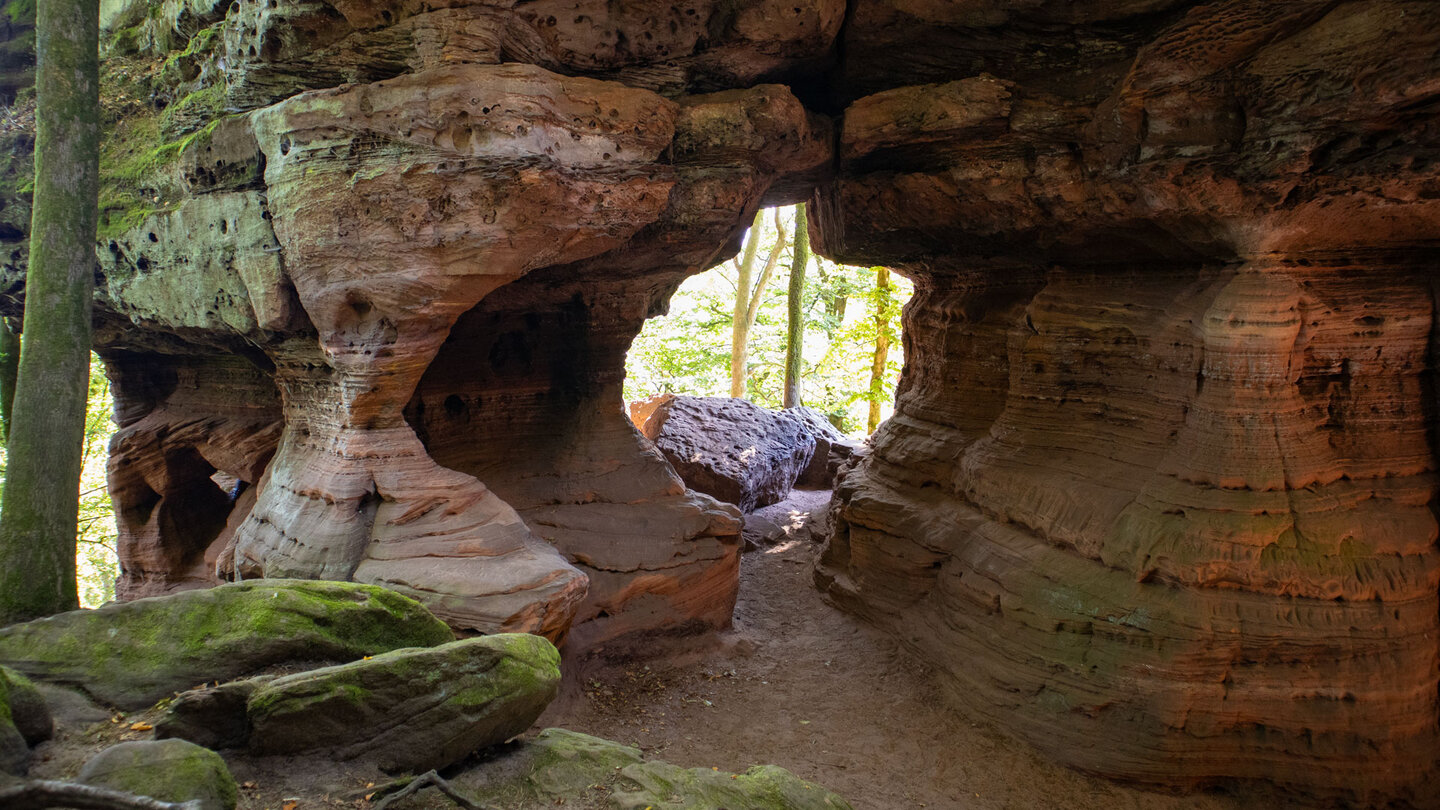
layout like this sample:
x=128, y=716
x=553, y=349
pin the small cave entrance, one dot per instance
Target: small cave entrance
x=850, y=317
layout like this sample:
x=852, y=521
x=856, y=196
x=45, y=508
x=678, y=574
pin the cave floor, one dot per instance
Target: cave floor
x=799, y=684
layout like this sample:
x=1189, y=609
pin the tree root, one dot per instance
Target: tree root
x=40, y=794
x=431, y=779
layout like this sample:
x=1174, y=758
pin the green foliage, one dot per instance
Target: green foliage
x=20, y=12
x=688, y=351
x=95, y=556
x=97, y=565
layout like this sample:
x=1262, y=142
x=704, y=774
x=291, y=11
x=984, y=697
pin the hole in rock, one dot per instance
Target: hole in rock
x=849, y=317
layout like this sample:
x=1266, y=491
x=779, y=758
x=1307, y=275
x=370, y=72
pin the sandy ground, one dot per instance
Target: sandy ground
x=802, y=685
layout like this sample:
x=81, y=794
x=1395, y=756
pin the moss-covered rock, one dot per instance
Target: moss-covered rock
x=26, y=707
x=562, y=766
x=24, y=720
x=410, y=709
x=132, y=654
x=212, y=716
x=168, y=770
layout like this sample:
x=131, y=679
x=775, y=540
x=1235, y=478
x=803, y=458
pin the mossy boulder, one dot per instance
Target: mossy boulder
x=212, y=716
x=410, y=709
x=134, y=653
x=24, y=720
x=168, y=770
x=566, y=767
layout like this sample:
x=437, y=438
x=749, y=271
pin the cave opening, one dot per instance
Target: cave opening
x=852, y=348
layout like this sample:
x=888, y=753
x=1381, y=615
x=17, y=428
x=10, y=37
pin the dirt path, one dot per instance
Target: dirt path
x=799, y=684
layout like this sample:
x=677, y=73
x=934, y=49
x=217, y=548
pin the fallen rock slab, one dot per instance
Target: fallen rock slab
x=410, y=709
x=132, y=654
x=832, y=448
x=168, y=770
x=730, y=449
x=567, y=767
x=804, y=516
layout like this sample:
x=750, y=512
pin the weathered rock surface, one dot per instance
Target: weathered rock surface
x=409, y=710
x=803, y=517
x=212, y=715
x=1159, y=492
x=24, y=720
x=832, y=448
x=132, y=654
x=565, y=766
x=375, y=271
x=168, y=770
x=732, y=449
x=1160, y=489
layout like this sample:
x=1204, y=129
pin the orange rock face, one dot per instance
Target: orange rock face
x=1159, y=492
x=378, y=331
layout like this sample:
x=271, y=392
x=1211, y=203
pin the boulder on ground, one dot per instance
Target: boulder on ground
x=804, y=517
x=134, y=653
x=832, y=448
x=212, y=716
x=410, y=709
x=168, y=770
x=562, y=766
x=24, y=720
x=730, y=449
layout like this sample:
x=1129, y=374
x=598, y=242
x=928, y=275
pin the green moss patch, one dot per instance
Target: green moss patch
x=565, y=767
x=410, y=709
x=133, y=654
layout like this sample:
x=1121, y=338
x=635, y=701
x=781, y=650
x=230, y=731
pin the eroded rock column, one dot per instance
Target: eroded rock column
x=1159, y=491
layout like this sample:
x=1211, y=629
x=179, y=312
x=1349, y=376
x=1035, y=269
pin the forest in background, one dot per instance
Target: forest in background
x=844, y=310
x=97, y=564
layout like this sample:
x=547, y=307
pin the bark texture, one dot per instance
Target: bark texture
x=42, y=476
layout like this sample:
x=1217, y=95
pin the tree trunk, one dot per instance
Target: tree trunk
x=747, y=300
x=882, y=346
x=740, y=326
x=37, y=523
x=795, y=334
x=9, y=368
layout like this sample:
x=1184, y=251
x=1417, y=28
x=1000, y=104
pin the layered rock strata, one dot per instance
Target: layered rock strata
x=1159, y=491
x=370, y=271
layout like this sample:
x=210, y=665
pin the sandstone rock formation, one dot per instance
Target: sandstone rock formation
x=1159, y=492
x=832, y=448
x=370, y=273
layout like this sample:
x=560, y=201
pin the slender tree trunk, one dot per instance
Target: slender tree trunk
x=796, y=332
x=9, y=368
x=739, y=326
x=37, y=521
x=882, y=346
x=747, y=299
